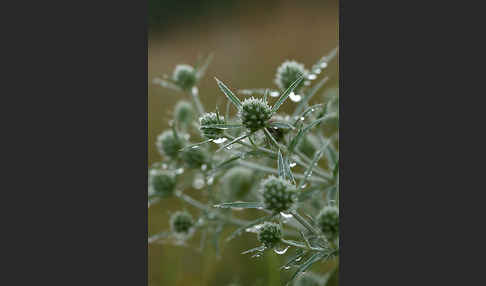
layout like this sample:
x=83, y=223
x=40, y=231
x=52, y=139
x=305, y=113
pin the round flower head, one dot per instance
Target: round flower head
x=237, y=183
x=194, y=157
x=211, y=119
x=184, y=112
x=255, y=113
x=288, y=72
x=270, y=234
x=181, y=224
x=184, y=76
x=328, y=221
x=161, y=183
x=168, y=144
x=278, y=194
x=309, y=279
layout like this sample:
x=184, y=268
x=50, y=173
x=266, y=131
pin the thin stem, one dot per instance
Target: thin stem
x=195, y=97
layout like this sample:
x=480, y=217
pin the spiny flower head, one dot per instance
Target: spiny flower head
x=254, y=113
x=278, y=194
x=184, y=76
x=328, y=221
x=182, y=224
x=237, y=183
x=161, y=183
x=208, y=119
x=194, y=157
x=288, y=72
x=168, y=145
x=184, y=112
x=270, y=234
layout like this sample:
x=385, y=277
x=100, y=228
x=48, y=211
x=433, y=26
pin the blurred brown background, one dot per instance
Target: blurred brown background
x=250, y=39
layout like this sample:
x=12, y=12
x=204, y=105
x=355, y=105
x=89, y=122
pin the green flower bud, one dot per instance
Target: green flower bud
x=211, y=119
x=278, y=194
x=309, y=145
x=181, y=224
x=237, y=183
x=184, y=76
x=270, y=234
x=168, y=145
x=194, y=157
x=288, y=72
x=161, y=183
x=255, y=113
x=328, y=221
x=184, y=113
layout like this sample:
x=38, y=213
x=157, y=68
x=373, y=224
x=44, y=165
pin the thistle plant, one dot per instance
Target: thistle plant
x=283, y=166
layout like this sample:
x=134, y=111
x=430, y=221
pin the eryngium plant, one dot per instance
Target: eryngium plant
x=286, y=166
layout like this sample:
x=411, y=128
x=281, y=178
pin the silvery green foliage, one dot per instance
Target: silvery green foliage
x=283, y=167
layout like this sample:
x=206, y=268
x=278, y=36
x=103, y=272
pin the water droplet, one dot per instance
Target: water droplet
x=298, y=259
x=317, y=71
x=220, y=140
x=311, y=77
x=195, y=147
x=228, y=147
x=195, y=90
x=164, y=166
x=256, y=255
x=302, y=118
x=198, y=182
x=304, y=186
x=323, y=65
x=274, y=94
x=285, y=215
x=292, y=164
x=281, y=251
x=204, y=167
x=286, y=267
x=179, y=171
x=295, y=97
x=210, y=180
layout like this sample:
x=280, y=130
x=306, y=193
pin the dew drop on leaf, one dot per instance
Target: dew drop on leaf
x=220, y=140
x=274, y=94
x=312, y=76
x=179, y=171
x=295, y=97
x=281, y=251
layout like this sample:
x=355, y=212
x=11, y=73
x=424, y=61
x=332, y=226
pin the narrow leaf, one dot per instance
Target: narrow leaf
x=304, y=266
x=316, y=158
x=259, y=248
x=233, y=141
x=166, y=84
x=281, y=125
x=296, y=258
x=286, y=94
x=280, y=164
x=201, y=70
x=240, y=205
x=158, y=236
x=229, y=94
x=222, y=126
x=287, y=170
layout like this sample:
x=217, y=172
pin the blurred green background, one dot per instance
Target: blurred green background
x=249, y=39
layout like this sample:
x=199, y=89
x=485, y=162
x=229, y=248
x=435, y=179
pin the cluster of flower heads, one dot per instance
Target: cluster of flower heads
x=278, y=195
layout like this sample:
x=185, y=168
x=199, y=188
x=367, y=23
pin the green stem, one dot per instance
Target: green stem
x=304, y=222
x=303, y=246
x=195, y=98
